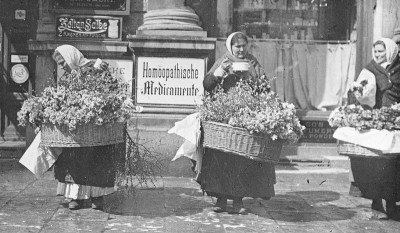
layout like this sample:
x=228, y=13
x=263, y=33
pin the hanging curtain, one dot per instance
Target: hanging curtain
x=311, y=76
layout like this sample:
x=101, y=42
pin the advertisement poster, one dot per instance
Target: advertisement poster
x=170, y=80
x=88, y=27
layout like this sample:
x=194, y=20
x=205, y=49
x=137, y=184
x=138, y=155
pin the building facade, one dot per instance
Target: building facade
x=314, y=48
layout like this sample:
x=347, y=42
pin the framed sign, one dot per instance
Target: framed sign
x=89, y=27
x=317, y=131
x=101, y=7
x=170, y=80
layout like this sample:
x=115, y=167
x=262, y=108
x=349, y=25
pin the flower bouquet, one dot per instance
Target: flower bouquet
x=357, y=117
x=88, y=108
x=366, y=132
x=249, y=120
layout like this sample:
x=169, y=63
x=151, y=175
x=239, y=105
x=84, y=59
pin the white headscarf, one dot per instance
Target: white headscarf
x=228, y=42
x=391, y=50
x=72, y=56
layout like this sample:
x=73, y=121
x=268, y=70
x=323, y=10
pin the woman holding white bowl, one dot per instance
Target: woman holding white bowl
x=226, y=175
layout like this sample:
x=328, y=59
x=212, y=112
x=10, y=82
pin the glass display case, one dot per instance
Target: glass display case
x=295, y=19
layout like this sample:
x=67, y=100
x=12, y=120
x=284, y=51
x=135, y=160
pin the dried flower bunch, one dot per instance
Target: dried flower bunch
x=254, y=107
x=89, y=95
x=362, y=119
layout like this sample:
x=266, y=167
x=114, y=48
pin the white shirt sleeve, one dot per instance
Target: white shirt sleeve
x=369, y=91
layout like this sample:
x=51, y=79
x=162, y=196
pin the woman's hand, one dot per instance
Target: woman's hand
x=226, y=64
x=357, y=89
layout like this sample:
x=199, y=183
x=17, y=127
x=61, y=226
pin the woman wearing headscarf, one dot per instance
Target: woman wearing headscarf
x=377, y=86
x=222, y=74
x=226, y=175
x=83, y=173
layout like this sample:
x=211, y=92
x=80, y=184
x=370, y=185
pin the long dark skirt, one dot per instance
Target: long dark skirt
x=375, y=177
x=232, y=175
x=91, y=166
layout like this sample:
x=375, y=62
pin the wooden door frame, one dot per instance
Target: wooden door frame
x=365, y=33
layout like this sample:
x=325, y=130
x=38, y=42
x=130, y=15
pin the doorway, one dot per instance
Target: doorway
x=18, y=20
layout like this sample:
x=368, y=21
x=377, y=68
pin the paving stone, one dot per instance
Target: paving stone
x=189, y=183
x=19, y=229
x=288, y=205
x=248, y=223
x=87, y=214
x=366, y=226
x=117, y=223
x=300, y=218
x=41, y=188
x=6, y=196
x=187, y=224
x=178, y=205
x=24, y=220
x=311, y=228
x=185, y=199
x=333, y=212
x=30, y=206
x=73, y=226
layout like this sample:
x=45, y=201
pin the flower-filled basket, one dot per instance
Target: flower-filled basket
x=89, y=107
x=371, y=124
x=237, y=140
x=84, y=135
x=351, y=149
x=249, y=120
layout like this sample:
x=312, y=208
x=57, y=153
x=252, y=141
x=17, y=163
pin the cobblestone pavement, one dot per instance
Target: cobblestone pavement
x=308, y=199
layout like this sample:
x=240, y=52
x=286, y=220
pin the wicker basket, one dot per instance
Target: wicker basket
x=237, y=140
x=350, y=149
x=84, y=135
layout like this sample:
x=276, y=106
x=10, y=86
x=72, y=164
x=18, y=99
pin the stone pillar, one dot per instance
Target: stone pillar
x=170, y=18
x=170, y=31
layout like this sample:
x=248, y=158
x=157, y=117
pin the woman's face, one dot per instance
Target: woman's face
x=62, y=63
x=380, y=54
x=239, y=49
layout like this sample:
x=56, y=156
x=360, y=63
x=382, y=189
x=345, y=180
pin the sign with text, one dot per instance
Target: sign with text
x=170, y=80
x=122, y=69
x=109, y=7
x=89, y=27
x=317, y=131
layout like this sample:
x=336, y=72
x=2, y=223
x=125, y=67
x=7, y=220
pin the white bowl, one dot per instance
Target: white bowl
x=240, y=66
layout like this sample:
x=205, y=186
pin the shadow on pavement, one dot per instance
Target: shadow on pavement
x=306, y=206
x=156, y=202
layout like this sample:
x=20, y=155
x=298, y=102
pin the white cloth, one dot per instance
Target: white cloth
x=72, y=56
x=78, y=191
x=228, y=42
x=189, y=129
x=383, y=140
x=369, y=90
x=38, y=159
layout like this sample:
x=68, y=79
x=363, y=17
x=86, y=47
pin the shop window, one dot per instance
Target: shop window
x=295, y=19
